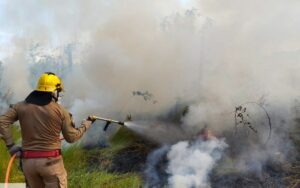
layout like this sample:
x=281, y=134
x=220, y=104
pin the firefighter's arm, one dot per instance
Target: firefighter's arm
x=6, y=120
x=70, y=133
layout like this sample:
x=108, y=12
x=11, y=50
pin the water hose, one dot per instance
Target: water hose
x=7, y=175
x=8, y=170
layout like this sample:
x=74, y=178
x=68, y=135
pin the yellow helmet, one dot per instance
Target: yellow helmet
x=49, y=82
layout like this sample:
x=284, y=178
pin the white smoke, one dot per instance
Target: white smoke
x=204, y=52
x=153, y=178
x=190, y=163
x=186, y=164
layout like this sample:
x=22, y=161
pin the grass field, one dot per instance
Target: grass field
x=91, y=167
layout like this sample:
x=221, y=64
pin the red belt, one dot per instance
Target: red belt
x=40, y=154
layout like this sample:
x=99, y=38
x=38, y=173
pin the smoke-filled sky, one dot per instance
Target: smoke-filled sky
x=211, y=54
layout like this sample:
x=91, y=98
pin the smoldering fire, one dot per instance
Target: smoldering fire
x=211, y=56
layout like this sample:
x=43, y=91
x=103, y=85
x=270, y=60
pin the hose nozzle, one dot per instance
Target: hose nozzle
x=108, y=121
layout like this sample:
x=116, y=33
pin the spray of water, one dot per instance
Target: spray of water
x=159, y=132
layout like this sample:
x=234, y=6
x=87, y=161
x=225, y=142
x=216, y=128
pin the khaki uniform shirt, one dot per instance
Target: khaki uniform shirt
x=41, y=125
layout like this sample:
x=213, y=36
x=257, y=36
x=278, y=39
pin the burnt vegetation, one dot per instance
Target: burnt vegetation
x=130, y=152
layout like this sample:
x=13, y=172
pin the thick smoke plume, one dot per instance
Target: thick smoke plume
x=200, y=52
x=184, y=164
x=190, y=163
x=206, y=56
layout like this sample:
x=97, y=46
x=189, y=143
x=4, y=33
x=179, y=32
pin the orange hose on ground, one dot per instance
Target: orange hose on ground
x=8, y=170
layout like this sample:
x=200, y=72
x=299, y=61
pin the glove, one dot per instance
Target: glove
x=91, y=118
x=86, y=123
x=14, y=149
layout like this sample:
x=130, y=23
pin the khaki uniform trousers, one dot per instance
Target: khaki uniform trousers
x=45, y=172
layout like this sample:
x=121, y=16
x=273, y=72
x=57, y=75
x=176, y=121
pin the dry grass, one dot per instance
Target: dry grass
x=293, y=169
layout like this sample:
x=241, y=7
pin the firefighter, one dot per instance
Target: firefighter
x=42, y=120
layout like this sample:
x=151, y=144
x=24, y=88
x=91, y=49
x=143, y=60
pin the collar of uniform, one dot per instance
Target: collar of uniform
x=39, y=98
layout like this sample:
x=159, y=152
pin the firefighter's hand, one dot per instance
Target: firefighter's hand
x=14, y=149
x=91, y=118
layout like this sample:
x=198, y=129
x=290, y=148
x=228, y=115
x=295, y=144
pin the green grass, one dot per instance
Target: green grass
x=83, y=179
x=123, y=138
x=81, y=174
